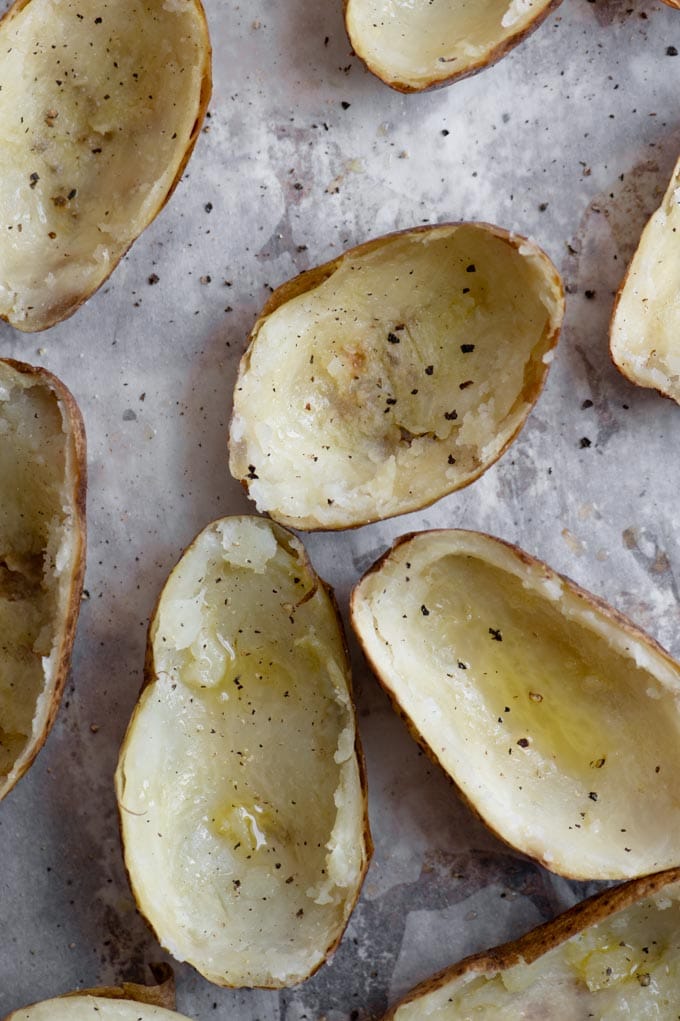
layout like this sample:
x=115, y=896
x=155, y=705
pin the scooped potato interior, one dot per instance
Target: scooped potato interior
x=626, y=966
x=240, y=791
x=87, y=1008
x=645, y=336
x=410, y=364
x=40, y=550
x=98, y=104
x=418, y=43
x=558, y=724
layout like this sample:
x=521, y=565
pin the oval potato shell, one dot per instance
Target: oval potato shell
x=129, y=1002
x=615, y=955
x=645, y=328
x=415, y=45
x=101, y=105
x=553, y=714
x=240, y=781
x=377, y=383
x=43, y=466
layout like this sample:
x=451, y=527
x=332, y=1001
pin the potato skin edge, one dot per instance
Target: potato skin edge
x=65, y=309
x=149, y=678
x=71, y=412
x=315, y=276
x=492, y=57
x=546, y=937
x=625, y=372
x=609, y=612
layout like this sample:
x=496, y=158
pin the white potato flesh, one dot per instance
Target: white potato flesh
x=94, y=1008
x=408, y=370
x=41, y=554
x=645, y=334
x=415, y=44
x=98, y=106
x=626, y=966
x=556, y=719
x=239, y=783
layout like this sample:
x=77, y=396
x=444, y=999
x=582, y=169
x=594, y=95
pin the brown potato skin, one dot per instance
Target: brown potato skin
x=150, y=676
x=675, y=4
x=77, y=428
x=494, y=55
x=623, y=622
x=312, y=278
x=160, y=995
x=65, y=309
x=545, y=937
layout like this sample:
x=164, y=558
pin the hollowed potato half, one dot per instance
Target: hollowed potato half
x=377, y=383
x=101, y=102
x=554, y=715
x=240, y=783
x=129, y=1002
x=42, y=556
x=413, y=45
x=645, y=330
x=614, y=956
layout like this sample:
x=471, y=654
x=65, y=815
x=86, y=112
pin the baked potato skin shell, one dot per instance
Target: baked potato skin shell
x=312, y=278
x=67, y=307
x=150, y=676
x=74, y=417
x=544, y=938
x=160, y=995
x=621, y=366
x=492, y=57
x=588, y=598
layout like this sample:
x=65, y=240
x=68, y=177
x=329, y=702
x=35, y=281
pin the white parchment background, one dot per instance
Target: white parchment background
x=570, y=139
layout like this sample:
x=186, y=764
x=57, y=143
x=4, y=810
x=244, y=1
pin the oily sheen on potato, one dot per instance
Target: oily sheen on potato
x=554, y=715
x=240, y=785
x=377, y=383
x=645, y=330
x=414, y=45
x=101, y=102
x=42, y=556
x=614, y=956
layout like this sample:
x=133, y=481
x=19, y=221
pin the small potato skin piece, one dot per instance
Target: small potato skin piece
x=546, y=937
x=494, y=55
x=45, y=378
